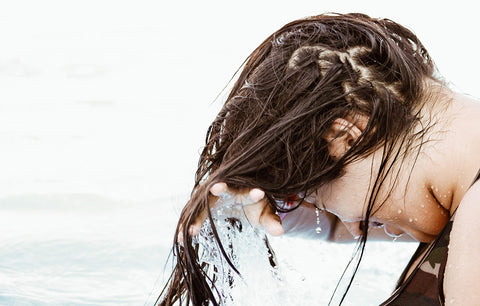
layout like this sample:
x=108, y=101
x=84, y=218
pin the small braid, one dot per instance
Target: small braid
x=359, y=74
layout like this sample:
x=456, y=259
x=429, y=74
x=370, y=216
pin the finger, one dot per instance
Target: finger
x=256, y=194
x=218, y=188
x=180, y=234
x=194, y=229
x=254, y=211
x=271, y=221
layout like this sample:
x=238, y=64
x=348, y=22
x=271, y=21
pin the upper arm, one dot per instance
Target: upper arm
x=462, y=272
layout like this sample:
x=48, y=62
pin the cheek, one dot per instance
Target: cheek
x=345, y=197
x=345, y=209
x=345, y=205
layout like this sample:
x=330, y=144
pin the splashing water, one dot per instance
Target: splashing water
x=261, y=279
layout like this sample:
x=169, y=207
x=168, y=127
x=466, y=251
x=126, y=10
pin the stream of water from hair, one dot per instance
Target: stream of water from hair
x=255, y=276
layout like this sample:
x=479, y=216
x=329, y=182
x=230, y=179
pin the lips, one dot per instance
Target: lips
x=389, y=230
x=357, y=228
x=393, y=232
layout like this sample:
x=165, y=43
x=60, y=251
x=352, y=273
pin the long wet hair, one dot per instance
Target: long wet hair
x=270, y=132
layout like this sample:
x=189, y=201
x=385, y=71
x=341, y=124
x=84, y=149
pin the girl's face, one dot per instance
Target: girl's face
x=347, y=198
x=413, y=210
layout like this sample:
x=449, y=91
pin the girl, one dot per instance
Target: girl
x=344, y=118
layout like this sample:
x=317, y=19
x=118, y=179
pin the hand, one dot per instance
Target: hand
x=258, y=211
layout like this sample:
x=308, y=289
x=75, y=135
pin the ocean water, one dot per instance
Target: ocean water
x=83, y=249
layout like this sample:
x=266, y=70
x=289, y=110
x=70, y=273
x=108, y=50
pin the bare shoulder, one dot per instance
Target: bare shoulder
x=462, y=272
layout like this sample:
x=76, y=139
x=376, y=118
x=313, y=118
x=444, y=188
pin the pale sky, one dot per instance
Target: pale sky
x=114, y=97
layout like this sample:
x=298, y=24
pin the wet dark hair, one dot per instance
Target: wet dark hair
x=270, y=132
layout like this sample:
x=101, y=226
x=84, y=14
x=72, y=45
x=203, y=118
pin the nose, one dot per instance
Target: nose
x=354, y=228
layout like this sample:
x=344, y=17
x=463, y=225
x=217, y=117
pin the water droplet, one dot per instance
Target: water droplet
x=410, y=220
x=399, y=211
x=422, y=205
x=318, y=230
